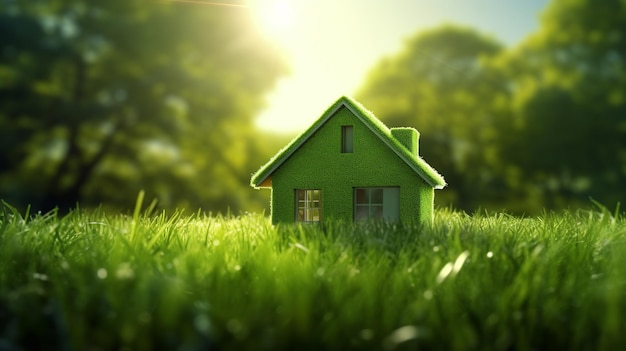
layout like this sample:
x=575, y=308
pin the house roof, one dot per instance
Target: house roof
x=416, y=163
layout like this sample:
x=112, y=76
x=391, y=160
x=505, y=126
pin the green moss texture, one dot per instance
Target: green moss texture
x=314, y=160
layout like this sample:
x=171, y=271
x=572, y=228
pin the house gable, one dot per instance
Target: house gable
x=262, y=178
x=321, y=160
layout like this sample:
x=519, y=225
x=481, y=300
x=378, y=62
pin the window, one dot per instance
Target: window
x=377, y=203
x=308, y=205
x=368, y=203
x=346, y=139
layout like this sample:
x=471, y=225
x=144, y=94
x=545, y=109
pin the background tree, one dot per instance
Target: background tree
x=100, y=100
x=569, y=135
x=541, y=125
x=441, y=83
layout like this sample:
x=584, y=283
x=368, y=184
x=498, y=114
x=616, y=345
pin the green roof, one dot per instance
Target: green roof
x=423, y=169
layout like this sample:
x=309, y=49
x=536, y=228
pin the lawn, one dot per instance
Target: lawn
x=93, y=281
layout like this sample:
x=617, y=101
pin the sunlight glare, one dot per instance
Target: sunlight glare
x=276, y=17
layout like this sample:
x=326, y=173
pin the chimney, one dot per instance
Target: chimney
x=408, y=137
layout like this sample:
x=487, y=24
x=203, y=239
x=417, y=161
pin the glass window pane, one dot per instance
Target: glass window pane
x=377, y=211
x=361, y=213
x=315, y=215
x=346, y=139
x=361, y=196
x=377, y=196
x=300, y=194
x=316, y=194
x=391, y=204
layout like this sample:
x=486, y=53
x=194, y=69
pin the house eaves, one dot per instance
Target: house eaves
x=417, y=164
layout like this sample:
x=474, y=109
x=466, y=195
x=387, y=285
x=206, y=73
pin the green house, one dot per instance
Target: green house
x=349, y=165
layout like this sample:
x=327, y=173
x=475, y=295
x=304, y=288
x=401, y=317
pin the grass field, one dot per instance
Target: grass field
x=90, y=281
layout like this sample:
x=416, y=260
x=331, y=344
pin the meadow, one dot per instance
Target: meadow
x=94, y=281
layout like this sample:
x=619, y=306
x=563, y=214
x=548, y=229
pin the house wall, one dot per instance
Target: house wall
x=320, y=164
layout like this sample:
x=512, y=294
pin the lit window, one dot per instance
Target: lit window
x=377, y=203
x=346, y=139
x=308, y=205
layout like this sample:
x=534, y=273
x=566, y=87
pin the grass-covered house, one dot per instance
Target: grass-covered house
x=349, y=165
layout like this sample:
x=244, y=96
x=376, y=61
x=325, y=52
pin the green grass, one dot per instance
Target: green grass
x=488, y=282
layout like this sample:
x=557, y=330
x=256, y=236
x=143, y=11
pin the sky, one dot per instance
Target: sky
x=331, y=45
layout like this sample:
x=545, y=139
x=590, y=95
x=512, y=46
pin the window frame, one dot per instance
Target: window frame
x=369, y=202
x=347, y=139
x=307, y=204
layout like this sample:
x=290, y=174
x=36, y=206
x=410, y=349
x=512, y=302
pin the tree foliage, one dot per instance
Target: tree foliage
x=441, y=84
x=539, y=125
x=570, y=103
x=100, y=100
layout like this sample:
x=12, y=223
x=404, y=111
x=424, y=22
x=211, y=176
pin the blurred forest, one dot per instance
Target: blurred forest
x=99, y=100
x=538, y=126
